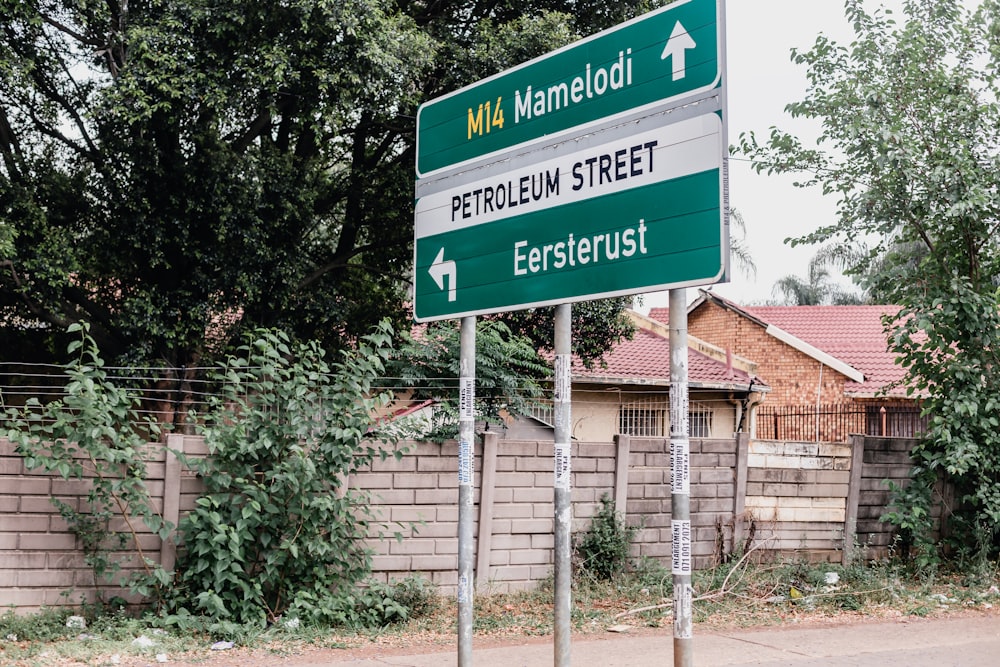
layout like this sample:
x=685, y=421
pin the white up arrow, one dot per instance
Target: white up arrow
x=678, y=42
x=441, y=268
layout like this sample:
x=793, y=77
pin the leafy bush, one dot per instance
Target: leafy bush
x=95, y=432
x=277, y=530
x=373, y=605
x=910, y=512
x=603, y=550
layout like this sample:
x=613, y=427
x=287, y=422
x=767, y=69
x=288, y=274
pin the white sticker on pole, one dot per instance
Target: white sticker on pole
x=679, y=409
x=562, y=379
x=464, y=589
x=562, y=465
x=682, y=612
x=464, y=463
x=680, y=466
x=467, y=399
x=681, y=547
x=562, y=392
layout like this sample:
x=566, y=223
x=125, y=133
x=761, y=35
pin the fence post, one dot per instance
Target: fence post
x=171, y=497
x=623, y=448
x=853, y=496
x=740, y=492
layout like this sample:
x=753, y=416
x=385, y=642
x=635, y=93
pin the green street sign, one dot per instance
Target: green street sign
x=635, y=210
x=664, y=56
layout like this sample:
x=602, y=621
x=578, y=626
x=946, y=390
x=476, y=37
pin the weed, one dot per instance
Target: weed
x=743, y=592
x=603, y=550
x=46, y=626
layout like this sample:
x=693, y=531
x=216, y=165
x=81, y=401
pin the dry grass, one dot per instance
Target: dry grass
x=744, y=593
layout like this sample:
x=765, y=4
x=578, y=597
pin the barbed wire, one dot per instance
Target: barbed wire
x=160, y=390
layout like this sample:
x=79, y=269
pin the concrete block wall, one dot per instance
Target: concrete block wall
x=796, y=494
x=713, y=498
x=513, y=494
x=804, y=498
x=884, y=459
x=41, y=561
x=416, y=497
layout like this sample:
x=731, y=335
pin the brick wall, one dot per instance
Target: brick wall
x=514, y=508
x=713, y=498
x=804, y=498
x=794, y=377
x=40, y=559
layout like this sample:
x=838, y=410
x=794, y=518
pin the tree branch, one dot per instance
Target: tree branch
x=65, y=29
x=344, y=263
x=9, y=147
x=253, y=131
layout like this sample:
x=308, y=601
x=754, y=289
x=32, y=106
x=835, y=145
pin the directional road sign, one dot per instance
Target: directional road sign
x=606, y=178
x=665, y=55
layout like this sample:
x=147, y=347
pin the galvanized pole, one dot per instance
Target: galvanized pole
x=561, y=485
x=466, y=433
x=680, y=465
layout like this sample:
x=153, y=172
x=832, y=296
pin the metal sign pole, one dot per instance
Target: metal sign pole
x=466, y=433
x=561, y=485
x=680, y=465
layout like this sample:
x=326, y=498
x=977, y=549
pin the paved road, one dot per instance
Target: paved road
x=963, y=642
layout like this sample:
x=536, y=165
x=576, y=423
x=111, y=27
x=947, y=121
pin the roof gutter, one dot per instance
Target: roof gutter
x=665, y=382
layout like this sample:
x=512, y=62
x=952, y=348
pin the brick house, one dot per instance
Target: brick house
x=628, y=394
x=829, y=367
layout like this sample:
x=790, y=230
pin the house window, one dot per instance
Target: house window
x=641, y=422
x=700, y=420
x=650, y=418
x=644, y=419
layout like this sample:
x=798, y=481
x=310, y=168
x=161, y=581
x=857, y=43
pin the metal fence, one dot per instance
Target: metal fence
x=835, y=422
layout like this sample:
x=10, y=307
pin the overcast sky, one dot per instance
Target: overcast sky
x=762, y=80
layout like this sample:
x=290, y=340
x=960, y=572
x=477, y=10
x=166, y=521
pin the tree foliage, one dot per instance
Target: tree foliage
x=177, y=173
x=818, y=289
x=910, y=146
x=509, y=372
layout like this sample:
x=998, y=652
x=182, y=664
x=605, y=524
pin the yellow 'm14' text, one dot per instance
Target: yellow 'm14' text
x=488, y=116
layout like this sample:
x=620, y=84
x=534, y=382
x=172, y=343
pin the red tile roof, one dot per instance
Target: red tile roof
x=646, y=359
x=851, y=334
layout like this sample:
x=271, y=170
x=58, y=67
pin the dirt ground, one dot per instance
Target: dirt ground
x=287, y=654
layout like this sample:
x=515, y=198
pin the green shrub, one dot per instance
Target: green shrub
x=911, y=512
x=276, y=530
x=373, y=605
x=603, y=550
x=45, y=626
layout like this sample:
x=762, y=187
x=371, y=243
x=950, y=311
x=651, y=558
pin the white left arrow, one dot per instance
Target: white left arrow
x=441, y=268
x=677, y=44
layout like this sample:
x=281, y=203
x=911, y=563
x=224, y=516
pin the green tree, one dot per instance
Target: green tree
x=167, y=165
x=909, y=144
x=176, y=173
x=509, y=372
x=818, y=289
